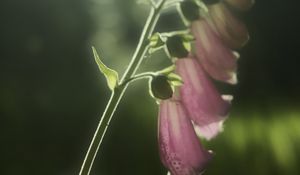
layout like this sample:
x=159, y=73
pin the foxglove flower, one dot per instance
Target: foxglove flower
x=231, y=30
x=217, y=59
x=205, y=106
x=217, y=32
x=180, y=149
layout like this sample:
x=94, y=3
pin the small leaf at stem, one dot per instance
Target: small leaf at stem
x=111, y=75
x=174, y=79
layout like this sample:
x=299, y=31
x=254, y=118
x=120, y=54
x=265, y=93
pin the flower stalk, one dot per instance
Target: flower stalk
x=117, y=93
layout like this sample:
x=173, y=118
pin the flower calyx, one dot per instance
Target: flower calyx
x=156, y=42
x=178, y=46
x=162, y=85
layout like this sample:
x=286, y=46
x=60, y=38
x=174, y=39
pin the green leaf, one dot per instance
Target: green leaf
x=111, y=75
x=187, y=46
x=187, y=38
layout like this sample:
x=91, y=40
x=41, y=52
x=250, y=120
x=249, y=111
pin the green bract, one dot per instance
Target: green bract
x=156, y=42
x=111, y=75
x=177, y=47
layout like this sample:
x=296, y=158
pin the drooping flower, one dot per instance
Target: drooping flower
x=218, y=60
x=204, y=104
x=231, y=30
x=199, y=106
x=180, y=149
x=217, y=31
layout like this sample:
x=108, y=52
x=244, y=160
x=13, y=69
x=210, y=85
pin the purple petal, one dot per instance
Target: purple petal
x=204, y=105
x=241, y=4
x=232, y=31
x=180, y=149
x=217, y=59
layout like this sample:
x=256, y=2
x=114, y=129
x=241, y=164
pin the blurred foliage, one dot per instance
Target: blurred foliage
x=252, y=144
x=51, y=92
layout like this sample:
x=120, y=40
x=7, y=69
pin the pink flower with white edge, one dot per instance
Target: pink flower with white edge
x=180, y=149
x=204, y=104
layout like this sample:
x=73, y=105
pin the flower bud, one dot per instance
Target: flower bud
x=160, y=87
x=176, y=48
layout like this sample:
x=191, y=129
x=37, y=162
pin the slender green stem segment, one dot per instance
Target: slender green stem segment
x=118, y=92
x=138, y=77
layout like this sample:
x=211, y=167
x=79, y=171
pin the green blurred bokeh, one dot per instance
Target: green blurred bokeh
x=52, y=95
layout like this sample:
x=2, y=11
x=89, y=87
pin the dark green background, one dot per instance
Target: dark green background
x=52, y=94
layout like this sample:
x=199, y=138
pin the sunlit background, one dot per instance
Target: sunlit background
x=52, y=94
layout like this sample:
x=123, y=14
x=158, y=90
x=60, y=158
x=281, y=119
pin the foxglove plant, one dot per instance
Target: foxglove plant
x=189, y=104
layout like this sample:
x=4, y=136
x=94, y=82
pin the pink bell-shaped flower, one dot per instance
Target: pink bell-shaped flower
x=218, y=60
x=231, y=30
x=205, y=106
x=180, y=149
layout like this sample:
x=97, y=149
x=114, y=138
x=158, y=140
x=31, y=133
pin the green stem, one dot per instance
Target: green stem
x=118, y=92
x=138, y=77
